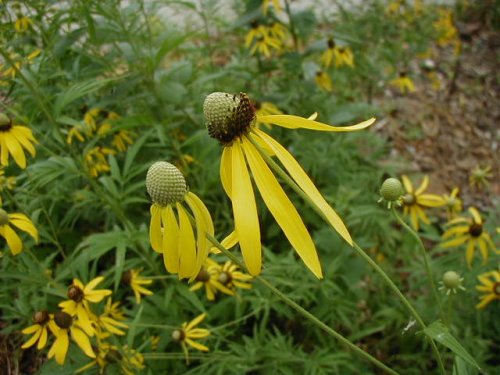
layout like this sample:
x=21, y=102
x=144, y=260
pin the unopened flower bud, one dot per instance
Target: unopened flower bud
x=391, y=189
x=450, y=282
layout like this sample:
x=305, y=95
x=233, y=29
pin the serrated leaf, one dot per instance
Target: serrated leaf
x=441, y=334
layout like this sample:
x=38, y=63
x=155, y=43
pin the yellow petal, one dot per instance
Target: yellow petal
x=23, y=141
x=155, y=229
x=33, y=339
x=193, y=323
x=82, y=341
x=93, y=283
x=59, y=347
x=294, y=122
x=485, y=301
x=455, y=242
x=282, y=209
x=483, y=248
x=226, y=170
x=305, y=183
x=245, y=212
x=469, y=253
x=475, y=214
x=15, y=150
x=43, y=338
x=22, y=222
x=187, y=245
x=407, y=184
x=198, y=333
x=423, y=186
x=455, y=230
x=170, y=241
x=196, y=345
x=13, y=240
x=84, y=320
x=430, y=200
x=31, y=329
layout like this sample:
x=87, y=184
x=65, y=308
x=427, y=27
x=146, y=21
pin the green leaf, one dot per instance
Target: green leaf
x=441, y=334
x=121, y=251
x=461, y=367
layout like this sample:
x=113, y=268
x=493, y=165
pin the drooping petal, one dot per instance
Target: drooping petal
x=22, y=222
x=483, y=248
x=407, y=184
x=430, y=200
x=31, y=329
x=187, y=245
x=15, y=150
x=33, y=339
x=21, y=138
x=198, y=333
x=475, y=214
x=469, y=253
x=196, y=345
x=423, y=186
x=305, y=183
x=13, y=241
x=82, y=341
x=485, y=301
x=282, y=209
x=43, y=338
x=170, y=240
x=245, y=212
x=226, y=170
x=294, y=122
x=455, y=230
x=60, y=347
x=84, y=319
x=155, y=228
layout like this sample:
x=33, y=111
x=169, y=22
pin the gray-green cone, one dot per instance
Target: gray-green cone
x=391, y=189
x=228, y=116
x=165, y=183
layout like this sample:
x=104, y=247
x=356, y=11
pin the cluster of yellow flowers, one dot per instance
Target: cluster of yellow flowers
x=98, y=124
x=463, y=229
x=264, y=39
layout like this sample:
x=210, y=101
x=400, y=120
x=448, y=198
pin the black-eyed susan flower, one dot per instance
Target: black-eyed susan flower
x=470, y=231
x=327, y=56
x=480, y=177
x=415, y=202
x=490, y=286
x=79, y=298
x=208, y=278
x=231, y=120
x=170, y=234
x=62, y=326
x=451, y=282
x=96, y=161
x=109, y=322
x=404, y=83
x=275, y=4
x=231, y=278
x=38, y=330
x=14, y=141
x=20, y=221
x=323, y=81
x=137, y=282
x=187, y=334
x=264, y=39
x=343, y=56
x=452, y=203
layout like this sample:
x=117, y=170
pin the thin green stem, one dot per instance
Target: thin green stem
x=303, y=311
x=426, y=261
x=292, y=25
x=358, y=249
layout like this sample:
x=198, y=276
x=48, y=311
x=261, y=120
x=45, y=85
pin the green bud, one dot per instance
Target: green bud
x=165, y=183
x=4, y=217
x=391, y=189
x=451, y=280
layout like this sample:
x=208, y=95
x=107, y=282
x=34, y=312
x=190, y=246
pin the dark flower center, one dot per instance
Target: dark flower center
x=75, y=293
x=178, y=335
x=409, y=199
x=203, y=276
x=63, y=320
x=331, y=43
x=496, y=289
x=127, y=277
x=475, y=230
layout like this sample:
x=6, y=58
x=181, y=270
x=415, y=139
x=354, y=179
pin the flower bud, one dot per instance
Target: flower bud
x=165, y=183
x=391, y=189
x=451, y=279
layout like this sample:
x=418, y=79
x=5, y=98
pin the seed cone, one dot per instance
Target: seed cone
x=228, y=116
x=391, y=189
x=165, y=183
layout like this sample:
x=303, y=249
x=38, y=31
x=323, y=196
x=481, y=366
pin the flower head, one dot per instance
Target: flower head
x=415, y=202
x=79, y=298
x=20, y=221
x=323, y=81
x=39, y=330
x=452, y=203
x=96, y=160
x=403, y=83
x=62, y=326
x=490, y=286
x=137, y=282
x=391, y=191
x=450, y=282
x=208, y=278
x=265, y=39
x=247, y=151
x=470, y=231
x=231, y=278
x=479, y=177
x=14, y=140
x=187, y=335
x=22, y=24
x=340, y=55
x=170, y=234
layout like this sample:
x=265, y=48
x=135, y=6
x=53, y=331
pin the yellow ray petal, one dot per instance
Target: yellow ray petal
x=170, y=240
x=187, y=245
x=13, y=240
x=485, y=301
x=33, y=339
x=282, y=209
x=155, y=228
x=24, y=142
x=82, y=341
x=15, y=150
x=225, y=170
x=305, y=183
x=455, y=230
x=483, y=248
x=455, y=242
x=195, y=321
x=25, y=224
x=93, y=283
x=430, y=200
x=469, y=253
x=43, y=338
x=407, y=184
x=245, y=212
x=196, y=345
x=423, y=186
x=475, y=214
x=294, y=122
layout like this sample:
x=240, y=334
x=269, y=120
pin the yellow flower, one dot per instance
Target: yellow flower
x=469, y=230
x=14, y=139
x=18, y=62
x=343, y=56
x=188, y=334
x=264, y=39
x=239, y=136
x=22, y=24
x=415, y=202
x=39, y=330
x=136, y=282
x=96, y=161
x=170, y=234
x=76, y=132
x=231, y=278
x=20, y=221
x=452, y=203
x=79, y=298
x=90, y=117
x=113, y=310
x=62, y=326
x=490, y=286
x=445, y=28
x=121, y=140
x=403, y=83
x=323, y=81
x=479, y=177
x=266, y=4
x=208, y=278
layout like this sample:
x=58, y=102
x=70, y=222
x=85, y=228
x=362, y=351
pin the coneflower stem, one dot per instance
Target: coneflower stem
x=358, y=249
x=301, y=310
x=426, y=261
